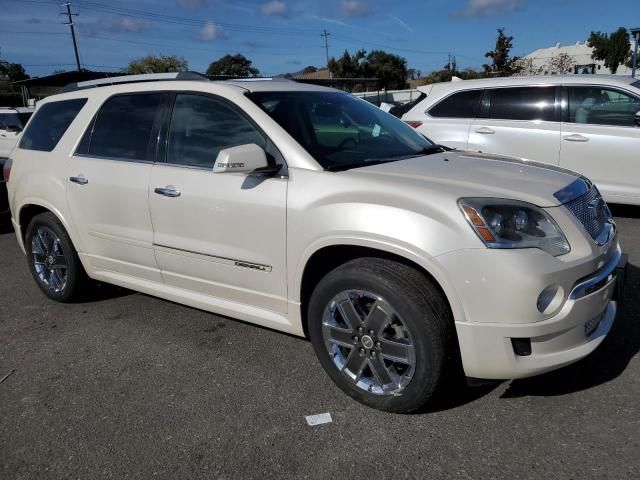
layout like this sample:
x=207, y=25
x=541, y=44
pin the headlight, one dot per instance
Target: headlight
x=512, y=224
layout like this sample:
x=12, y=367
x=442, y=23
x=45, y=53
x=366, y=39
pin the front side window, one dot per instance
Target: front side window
x=602, y=106
x=124, y=125
x=201, y=126
x=458, y=105
x=341, y=131
x=49, y=124
x=522, y=103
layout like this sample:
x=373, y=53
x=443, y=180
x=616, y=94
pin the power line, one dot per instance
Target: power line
x=73, y=32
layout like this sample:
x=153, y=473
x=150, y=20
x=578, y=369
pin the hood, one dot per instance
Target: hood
x=471, y=174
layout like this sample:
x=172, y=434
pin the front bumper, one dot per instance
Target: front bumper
x=575, y=330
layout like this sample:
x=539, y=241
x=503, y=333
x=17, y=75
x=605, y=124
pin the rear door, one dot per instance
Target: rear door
x=521, y=122
x=601, y=139
x=220, y=234
x=107, y=184
x=448, y=121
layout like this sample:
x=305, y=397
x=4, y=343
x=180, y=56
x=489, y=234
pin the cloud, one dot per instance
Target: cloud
x=211, y=31
x=275, y=7
x=115, y=25
x=33, y=20
x=355, y=8
x=192, y=3
x=487, y=8
x=293, y=62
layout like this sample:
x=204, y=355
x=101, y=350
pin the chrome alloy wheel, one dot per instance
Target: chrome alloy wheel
x=368, y=342
x=49, y=261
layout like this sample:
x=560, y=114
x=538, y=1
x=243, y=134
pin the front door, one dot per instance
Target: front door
x=601, y=140
x=519, y=122
x=107, y=184
x=220, y=234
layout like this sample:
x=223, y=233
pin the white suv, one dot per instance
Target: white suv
x=303, y=209
x=586, y=123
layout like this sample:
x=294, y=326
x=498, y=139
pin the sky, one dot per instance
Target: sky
x=282, y=36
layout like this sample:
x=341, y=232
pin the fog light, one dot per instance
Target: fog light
x=550, y=299
x=521, y=346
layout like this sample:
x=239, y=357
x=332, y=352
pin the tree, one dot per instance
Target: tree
x=348, y=66
x=13, y=71
x=309, y=69
x=501, y=62
x=233, y=66
x=560, y=64
x=614, y=49
x=526, y=66
x=388, y=68
x=157, y=64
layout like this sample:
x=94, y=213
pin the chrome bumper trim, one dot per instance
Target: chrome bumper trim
x=599, y=279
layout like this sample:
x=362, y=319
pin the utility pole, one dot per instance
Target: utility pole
x=326, y=34
x=73, y=32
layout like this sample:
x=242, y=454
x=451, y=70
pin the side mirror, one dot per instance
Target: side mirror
x=243, y=158
x=637, y=118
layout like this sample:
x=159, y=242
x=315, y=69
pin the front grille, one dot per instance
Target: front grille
x=592, y=211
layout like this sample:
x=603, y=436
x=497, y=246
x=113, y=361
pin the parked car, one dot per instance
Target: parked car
x=586, y=123
x=303, y=209
x=12, y=122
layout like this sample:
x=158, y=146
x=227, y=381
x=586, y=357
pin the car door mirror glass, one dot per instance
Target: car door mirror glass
x=243, y=158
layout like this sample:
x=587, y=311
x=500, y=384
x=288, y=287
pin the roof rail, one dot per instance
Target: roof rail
x=147, y=77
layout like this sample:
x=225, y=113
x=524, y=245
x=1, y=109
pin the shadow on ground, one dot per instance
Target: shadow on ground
x=606, y=363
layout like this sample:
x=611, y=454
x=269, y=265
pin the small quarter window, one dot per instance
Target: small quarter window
x=459, y=105
x=49, y=124
x=201, y=126
x=124, y=126
x=523, y=103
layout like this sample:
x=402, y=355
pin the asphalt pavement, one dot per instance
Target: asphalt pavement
x=129, y=386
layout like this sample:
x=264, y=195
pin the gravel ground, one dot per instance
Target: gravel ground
x=130, y=386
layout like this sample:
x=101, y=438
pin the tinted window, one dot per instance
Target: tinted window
x=201, y=126
x=523, y=103
x=49, y=124
x=458, y=105
x=602, y=106
x=400, y=110
x=124, y=126
x=341, y=131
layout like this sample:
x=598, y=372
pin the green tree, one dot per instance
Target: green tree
x=157, y=64
x=14, y=71
x=234, y=66
x=501, y=62
x=348, y=66
x=389, y=69
x=614, y=49
x=309, y=69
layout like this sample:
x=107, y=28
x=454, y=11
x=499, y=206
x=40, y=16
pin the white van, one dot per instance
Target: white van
x=586, y=123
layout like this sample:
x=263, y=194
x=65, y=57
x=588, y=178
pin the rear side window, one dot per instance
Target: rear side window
x=201, y=126
x=602, y=106
x=459, y=105
x=523, y=103
x=49, y=124
x=124, y=126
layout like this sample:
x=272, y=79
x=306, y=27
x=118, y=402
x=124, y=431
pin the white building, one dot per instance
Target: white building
x=581, y=55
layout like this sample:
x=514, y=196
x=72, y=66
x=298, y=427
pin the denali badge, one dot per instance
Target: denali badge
x=230, y=165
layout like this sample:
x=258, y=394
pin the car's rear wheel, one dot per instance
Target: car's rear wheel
x=52, y=259
x=382, y=331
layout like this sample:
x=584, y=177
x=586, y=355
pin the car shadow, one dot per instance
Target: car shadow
x=98, y=292
x=607, y=362
x=625, y=211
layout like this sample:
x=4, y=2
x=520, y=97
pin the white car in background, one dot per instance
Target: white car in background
x=586, y=123
x=12, y=122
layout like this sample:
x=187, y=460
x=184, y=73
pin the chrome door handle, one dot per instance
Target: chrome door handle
x=485, y=131
x=80, y=180
x=575, y=138
x=168, y=191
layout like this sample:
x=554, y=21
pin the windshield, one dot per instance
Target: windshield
x=340, y=131
x=10, y=119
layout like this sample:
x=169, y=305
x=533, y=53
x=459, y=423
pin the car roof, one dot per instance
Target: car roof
x=614, y=80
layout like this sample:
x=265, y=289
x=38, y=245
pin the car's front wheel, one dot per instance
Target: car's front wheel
x=53, y=260
x=382, y=331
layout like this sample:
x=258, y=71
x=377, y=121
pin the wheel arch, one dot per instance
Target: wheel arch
x=32, y=207
x=321, y=260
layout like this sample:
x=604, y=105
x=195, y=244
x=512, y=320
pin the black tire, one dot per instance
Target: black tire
x=76, y=277
x=423, y=311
